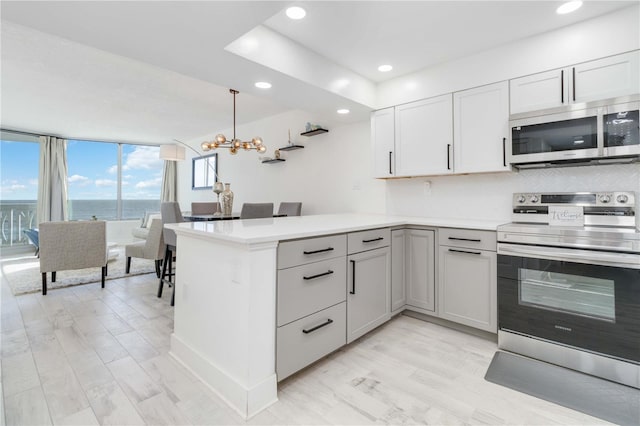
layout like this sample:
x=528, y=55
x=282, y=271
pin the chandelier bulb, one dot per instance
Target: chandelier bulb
x=220, y=138
x=205, y=146
x=261, y=149
x=233, y=151
x=257, y=141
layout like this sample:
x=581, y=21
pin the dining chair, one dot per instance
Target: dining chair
x=72, y=245
x=152, y=248
x=256, y=210
x=169, y=213
x=205, y=207
x=290, y=209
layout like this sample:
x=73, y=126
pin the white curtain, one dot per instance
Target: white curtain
x=169, y=182
x=52, y=180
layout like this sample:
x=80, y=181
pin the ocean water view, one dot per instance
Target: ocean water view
x=18, y=215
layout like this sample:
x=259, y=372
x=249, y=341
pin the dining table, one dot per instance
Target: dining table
x=216, y=216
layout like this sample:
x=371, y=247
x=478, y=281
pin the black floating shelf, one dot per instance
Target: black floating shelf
x=290, y=147
x=273, y=160
x=314, y=132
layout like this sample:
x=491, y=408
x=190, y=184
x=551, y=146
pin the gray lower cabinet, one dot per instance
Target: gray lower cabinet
x=398, y=289
x=420, y=269
x=467, y=292
x=368, y=291
x=311, y=313
x=310, y=338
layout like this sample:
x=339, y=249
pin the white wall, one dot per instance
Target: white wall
x=331, y=174
x=610, y=34
x=488, y=196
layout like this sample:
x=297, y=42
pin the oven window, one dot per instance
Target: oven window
x=574, y=294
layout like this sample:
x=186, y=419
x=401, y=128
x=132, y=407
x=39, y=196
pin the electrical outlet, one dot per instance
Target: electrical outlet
x=427, y=187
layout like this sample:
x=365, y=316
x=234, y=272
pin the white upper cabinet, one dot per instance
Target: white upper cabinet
x=539, y=91
x=590, y=81
x=383, y=137
x=481, y=118
x=606, y=78
x=424, y=137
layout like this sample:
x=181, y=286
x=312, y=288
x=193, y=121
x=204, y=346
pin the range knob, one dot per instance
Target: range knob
x=533, y=198
x=622, y=198
x=605, y=198
x=521, y=198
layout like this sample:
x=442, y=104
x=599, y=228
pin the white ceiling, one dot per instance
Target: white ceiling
x=147, y=71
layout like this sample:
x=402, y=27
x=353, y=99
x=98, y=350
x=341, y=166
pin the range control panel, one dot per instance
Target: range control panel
x=585, y=199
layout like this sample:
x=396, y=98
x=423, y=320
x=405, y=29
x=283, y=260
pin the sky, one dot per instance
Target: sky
x=92, y=171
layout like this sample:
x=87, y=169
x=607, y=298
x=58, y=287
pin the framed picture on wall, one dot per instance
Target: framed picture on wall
x=204, y=171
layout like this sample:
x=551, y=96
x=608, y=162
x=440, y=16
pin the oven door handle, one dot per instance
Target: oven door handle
x=617, y=259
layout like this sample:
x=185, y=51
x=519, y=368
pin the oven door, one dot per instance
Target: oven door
x=588, y=304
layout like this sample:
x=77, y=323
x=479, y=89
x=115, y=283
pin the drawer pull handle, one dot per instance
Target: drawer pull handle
x=467, y=252
x=329, y=272
x=373, y=240
x=311, y=330
x=465, y=239
x=318, y=251
x=353, y=277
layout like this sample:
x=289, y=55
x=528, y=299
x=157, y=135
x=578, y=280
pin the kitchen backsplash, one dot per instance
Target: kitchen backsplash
x=488, y=196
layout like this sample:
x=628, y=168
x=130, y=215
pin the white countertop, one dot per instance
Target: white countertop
x=254, y=231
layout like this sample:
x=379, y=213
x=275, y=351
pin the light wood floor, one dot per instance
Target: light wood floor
x=86, y=356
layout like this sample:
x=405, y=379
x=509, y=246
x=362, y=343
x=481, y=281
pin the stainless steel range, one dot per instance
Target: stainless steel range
x=569, y=282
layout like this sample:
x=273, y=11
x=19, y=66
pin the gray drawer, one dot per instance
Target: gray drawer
x=310, y=288
x=296, y=348
x=300, y=252
x=468, y=238
x=368, y=240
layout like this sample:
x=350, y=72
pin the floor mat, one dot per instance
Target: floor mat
x=591, y=395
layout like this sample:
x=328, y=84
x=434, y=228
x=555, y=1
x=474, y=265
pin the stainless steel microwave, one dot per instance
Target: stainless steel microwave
x=596, y=132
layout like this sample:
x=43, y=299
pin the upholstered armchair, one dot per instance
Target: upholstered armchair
x=151, y=248
x=72, y=245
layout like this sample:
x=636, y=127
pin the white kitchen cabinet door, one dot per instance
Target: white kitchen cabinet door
x=398, y=291
x=539, y=91
x=420, y=264
x=382, y=138
x=590, y=81
x=424, y=137
x=481, y=129
x=368, y=291
x=467, y=285
x=606, y=78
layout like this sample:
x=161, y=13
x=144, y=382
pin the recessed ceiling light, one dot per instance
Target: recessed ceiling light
x=296, y=12
x=385, y=68
x=343, y=111
x=263, y=85
x=568, y=7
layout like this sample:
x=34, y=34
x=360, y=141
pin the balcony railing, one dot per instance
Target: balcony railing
x=15, y=217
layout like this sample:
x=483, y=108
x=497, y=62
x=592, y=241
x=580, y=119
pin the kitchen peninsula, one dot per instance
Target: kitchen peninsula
x=226, y=302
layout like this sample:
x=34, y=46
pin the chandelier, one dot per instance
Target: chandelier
x=221, y=141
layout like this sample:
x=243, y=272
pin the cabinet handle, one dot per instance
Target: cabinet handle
x=390, y=153
x=574, y=83
x=562, y=86
x=448, y=156
x=324, y=324
x=375, y=239
x=504, y=152
x=318, y=251
x=464, y=239
x=329, y=272
x=353, y=277
x=463, y=251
